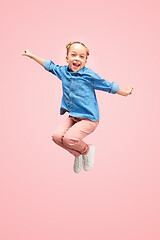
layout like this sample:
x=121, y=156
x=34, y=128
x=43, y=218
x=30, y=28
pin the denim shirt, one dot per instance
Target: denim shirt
x=79, y=97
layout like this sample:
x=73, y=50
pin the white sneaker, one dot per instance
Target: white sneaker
x=89, y=158
x=77, y=164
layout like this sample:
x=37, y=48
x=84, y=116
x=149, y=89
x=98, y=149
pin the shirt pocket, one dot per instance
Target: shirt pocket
x=83, y=88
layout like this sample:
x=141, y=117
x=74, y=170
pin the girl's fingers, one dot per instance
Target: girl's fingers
x=131, y=90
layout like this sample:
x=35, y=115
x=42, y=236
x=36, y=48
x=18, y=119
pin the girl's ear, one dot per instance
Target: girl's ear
x=67, y=58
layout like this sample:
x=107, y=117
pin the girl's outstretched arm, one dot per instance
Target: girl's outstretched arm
x=37, y=59
x=125, y=92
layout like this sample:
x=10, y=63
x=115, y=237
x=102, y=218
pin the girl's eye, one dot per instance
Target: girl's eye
x=73, y=54
x=82, y=56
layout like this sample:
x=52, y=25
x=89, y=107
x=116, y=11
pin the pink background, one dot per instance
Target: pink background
x=41, y=197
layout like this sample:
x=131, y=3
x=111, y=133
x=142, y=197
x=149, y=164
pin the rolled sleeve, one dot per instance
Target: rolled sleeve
x=47, y=64
x=114, y=88
x=50, y=66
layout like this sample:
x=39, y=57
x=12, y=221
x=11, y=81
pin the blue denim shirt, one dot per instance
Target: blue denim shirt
x=79, y=97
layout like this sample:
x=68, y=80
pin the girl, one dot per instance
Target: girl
x=79, y=100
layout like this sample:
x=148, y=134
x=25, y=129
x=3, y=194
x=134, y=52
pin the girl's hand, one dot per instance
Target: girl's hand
x=129, y=90
x=27, y=53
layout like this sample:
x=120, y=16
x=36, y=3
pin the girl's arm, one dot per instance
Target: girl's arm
x=125, y=92
x=37, y=59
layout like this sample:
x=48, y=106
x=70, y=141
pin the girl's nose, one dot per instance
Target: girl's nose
x=76, y=57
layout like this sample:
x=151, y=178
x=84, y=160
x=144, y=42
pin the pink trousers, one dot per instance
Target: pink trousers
x=70, y=133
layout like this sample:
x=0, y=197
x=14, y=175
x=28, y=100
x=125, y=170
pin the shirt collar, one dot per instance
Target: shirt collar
x=80, y=71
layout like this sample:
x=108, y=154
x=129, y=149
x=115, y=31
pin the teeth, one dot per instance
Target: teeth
x=76, y=64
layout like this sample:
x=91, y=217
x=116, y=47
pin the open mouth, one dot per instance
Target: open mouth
x=76, y=64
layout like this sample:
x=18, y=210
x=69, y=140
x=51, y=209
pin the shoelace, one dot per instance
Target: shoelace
x=78, y=162
x=86, y=159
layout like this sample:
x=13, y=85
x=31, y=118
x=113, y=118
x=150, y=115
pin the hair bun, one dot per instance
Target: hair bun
x=69, y=44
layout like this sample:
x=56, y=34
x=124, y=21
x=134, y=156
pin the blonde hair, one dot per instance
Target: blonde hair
x=68, y=45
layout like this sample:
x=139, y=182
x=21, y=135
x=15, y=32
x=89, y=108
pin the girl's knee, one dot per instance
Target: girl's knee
x=56, y=138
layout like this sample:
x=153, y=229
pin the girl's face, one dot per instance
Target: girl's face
x=77, y=57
